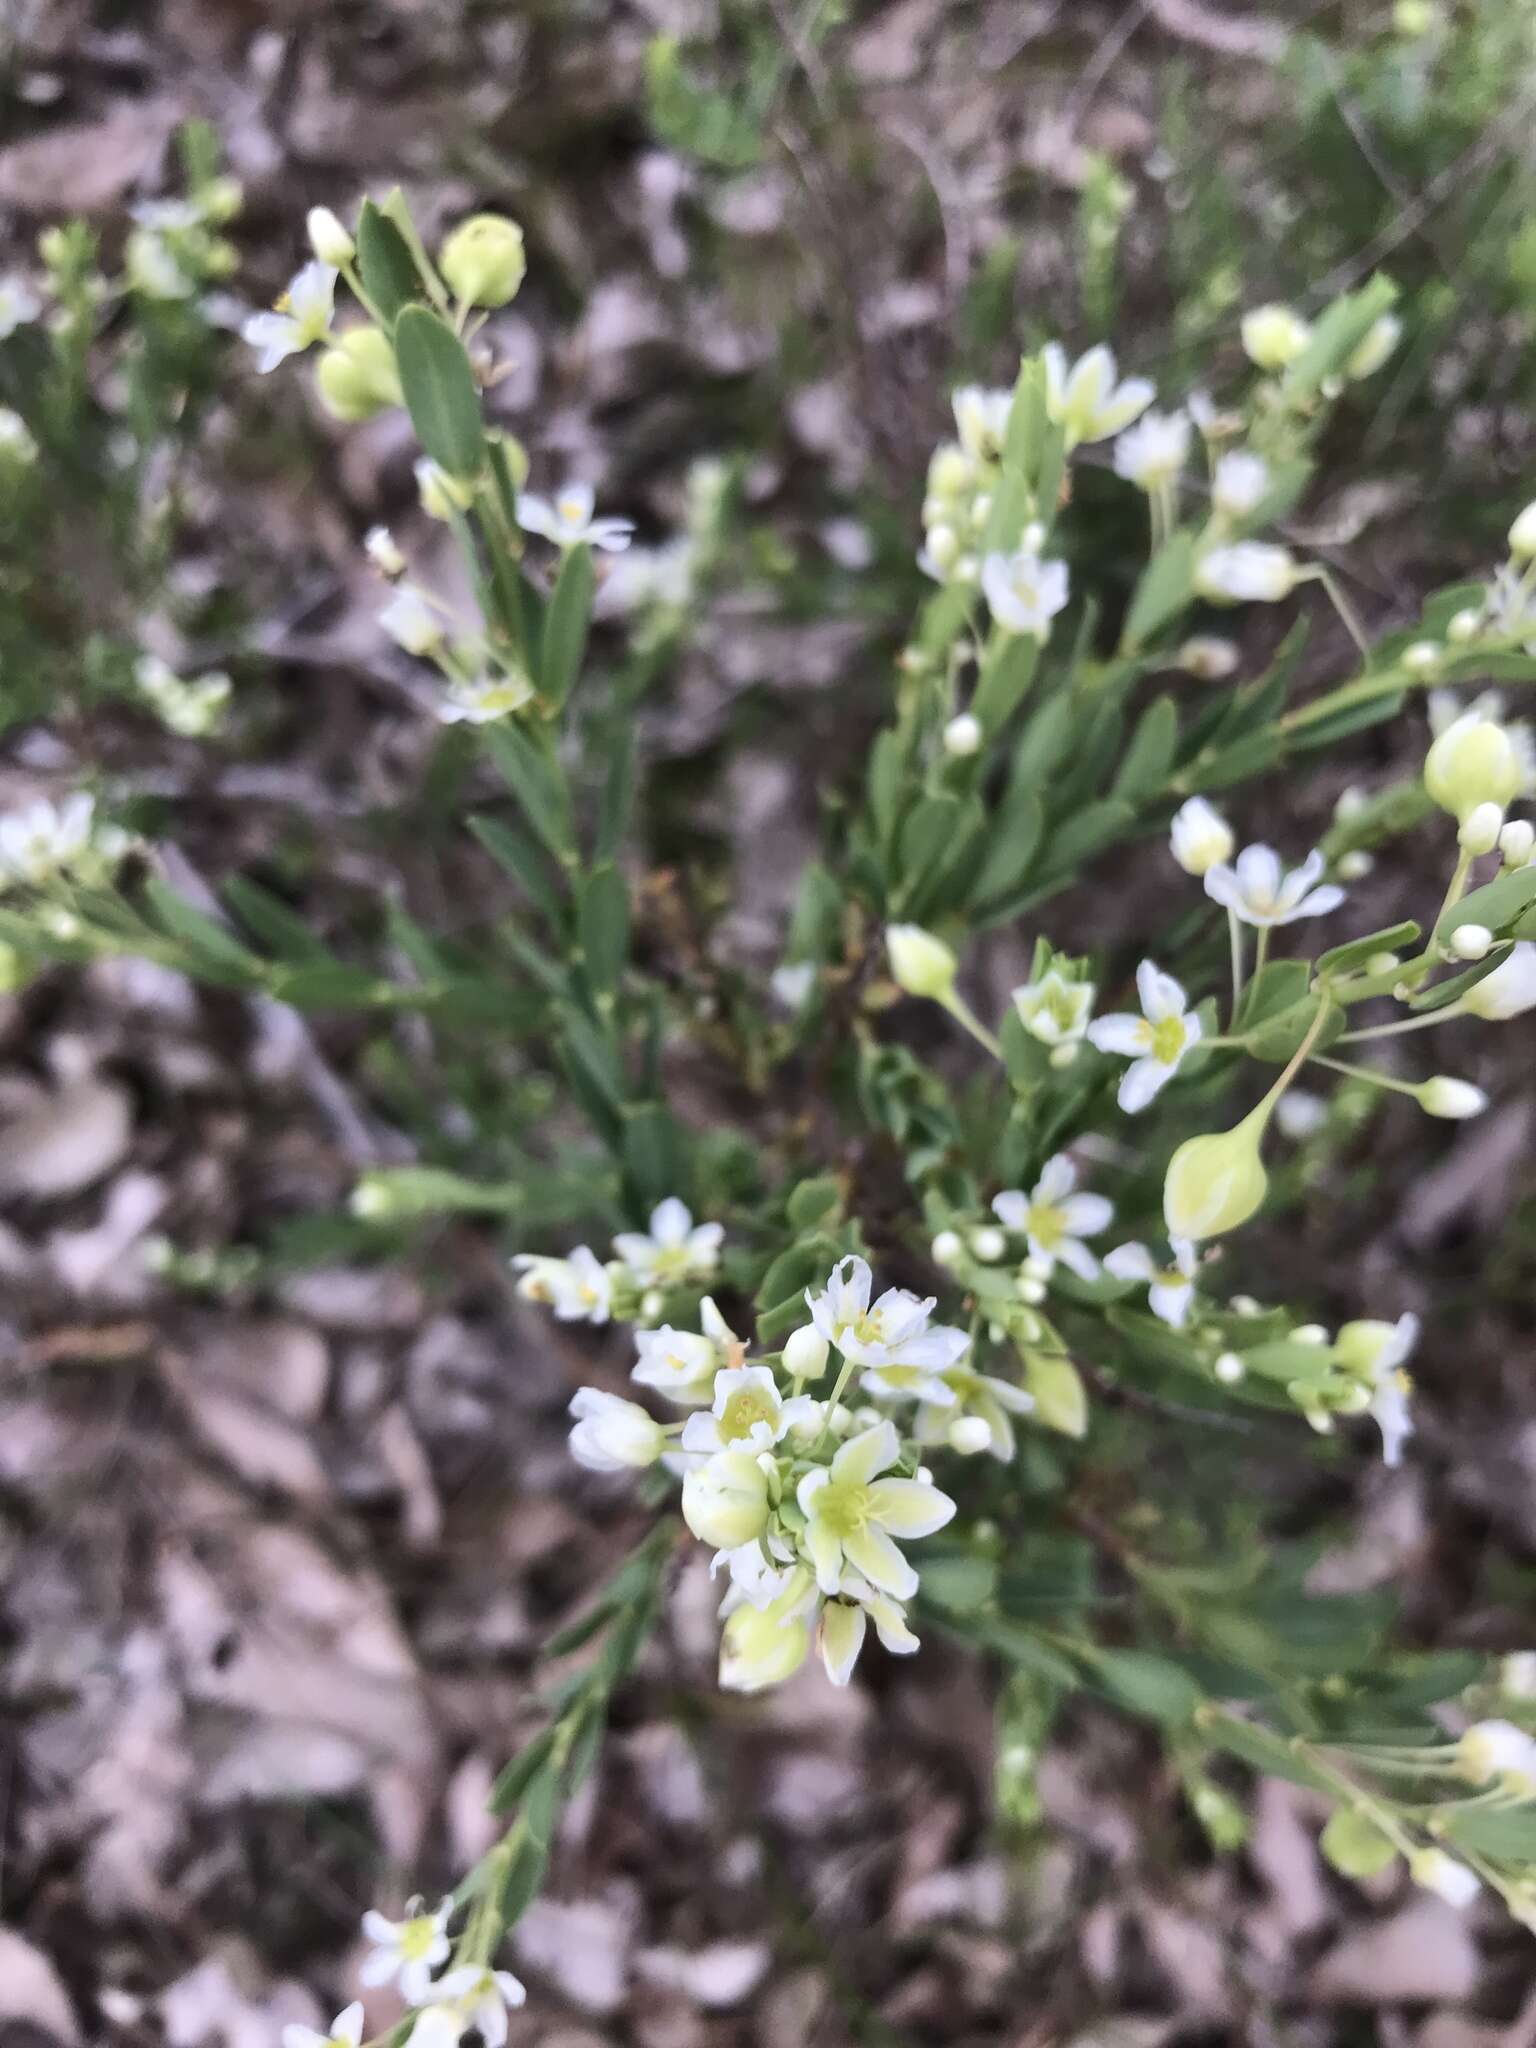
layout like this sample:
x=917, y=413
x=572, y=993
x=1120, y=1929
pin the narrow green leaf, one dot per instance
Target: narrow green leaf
x=440, y=391
x=523, y=862
x=618, y=793
x=565, y=626
x=280, y=929
x=1145, y=765
x=537, y=782
x=1165, y=588
x=603, y=924
x=384, y=261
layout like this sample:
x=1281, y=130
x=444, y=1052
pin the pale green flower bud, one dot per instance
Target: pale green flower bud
x=758, y=1649
x=1522, y=535
x=1517, y=842
x=483, y=260
x=920, y=963
x=1472, y=762
x=1415, y=18
x=1423, y=658
x=1464, y=626
x=1443, y=1095
x=969, y=1434
x=357, y=376
x=1479, y=833
x=725, y=1501
x=988, y=1244
x=1274, y=336
x=328, y=238
x=1442, y=1874
x=1381, y=338
x=946, y=1247
x=962, y=736
x=1215, y=1183
x=805, y=1353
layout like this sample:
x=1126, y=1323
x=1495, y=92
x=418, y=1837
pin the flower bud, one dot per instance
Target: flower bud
x=969, y=1434
x=948, y=1246
x=1473, y=762
x=1200, y=836
x=963, y=736
x=920, y=963
x=1464, y=626
x=1229, y=1368
x=1274, y=336
x=805, y=1353
x=1381, y=338
x=1509, y=991
x=1207, y=657
x=612, y=1435
x=328, y=238
x=1355, y=865
x=379, y=544
x=1522, y=535
x=1471, y=941
x=1479, y=834
x=1490, y=1750
x=1355, y=1846
x=1247, y=572
x=1061, y=1402
x=1422, y=659
x=1215, y=1183
x=1517, y=1675
x=357, y=376
x=989, y=1244
x=1517, y=842
x=1444, y=1095
x=483, y=260
x=1442, y=1874
x=725, y=1501
x=759, y=1648
x=440, y=494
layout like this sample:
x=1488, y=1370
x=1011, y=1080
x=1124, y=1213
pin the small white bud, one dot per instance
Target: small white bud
x=963, y=736
x=1200, y=836
x=1517, y=842
x=1480, y=829
x=1355, y=865
x=328, y=238
x=920, y=963
x=1423, y=658
x=1444, y=1095
x=652, y=1303
x=1442, y=1874
x=989, y=1244
x=1229, y=1369
x=1309, y=1333
x=805, y=1353
x=1036, y=1269
x=946, y=1247
x=379, y=543
x=1030, y=1291
x=1208, y=657
x=968, y=1434
x=1245, y=1305
x=1464, y=626
x=1274, y=336
x=1522, y=535
x=1471, y=941
x=1517, y=1675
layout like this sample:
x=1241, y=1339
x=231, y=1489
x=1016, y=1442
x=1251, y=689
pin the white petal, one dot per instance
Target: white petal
x=1161, y=996
x=842, y=1637
x=1318, y=904
x=876, y=1556
x=1140, y=1083
x=1130, y=1262
x=871, y=1451
x=908, y=1507
x=1011, y=1208
x=1076, y=1256
x=670, y=1223
x=1086, y=1215
x=1121, y=1033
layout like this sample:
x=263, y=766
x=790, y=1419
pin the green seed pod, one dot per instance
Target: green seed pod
x=483, y=260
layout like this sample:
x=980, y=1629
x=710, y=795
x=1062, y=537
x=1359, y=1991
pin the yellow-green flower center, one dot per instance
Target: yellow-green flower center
x=744, y=1410
x=417, y=1937
x=1046, y=1224
x=1166, y=1038
x=844, y=1509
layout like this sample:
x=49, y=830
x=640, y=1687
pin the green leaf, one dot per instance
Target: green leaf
x=564, y=638
x=602, y=919
x=521, y=1885
x=695, y=118
x=652, y=1151
x=1146, y=1683
x=516, y=1776
x=1012, y=842
x=523, y=862
x=1147, y=760
x=1166, y=587
x=440, y=391
x=1455, y=986
x=537, y=782
x=1508, y=1836
x=384, y=260
x=1262, y=1748
x=959, y=1581
x=1498, y=904
x=618, y=793
x=281, y=930
x=1337, y=335
x=1392, y=938
x=814, y=1201
x=1004, y=682
x=216, y=952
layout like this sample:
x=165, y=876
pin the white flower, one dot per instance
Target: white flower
x=681, y=1364
x=677, y=1250
x=19, y=305
x=328, y=238
x=963, y=736
x=1086, y=399
x=746, y=1413
x=1238, y=483
x=977, y=1415
x=1491, y=1750
x=302, y=317
x=981, y=420
x=1055, y=1219
x=1374, y=1352
x=1509, y=991
x=613, y=1435
x=852, y=1514
x=346, y=2031
x=1274, y=336
x=568, y=521
x=1259, y=892
x=471, y=1996
x=1447, y=1095
x=42, y=840
x=725, y=1500
x=1247, y=572
x=16, y=441
x=1442, y=1874
x=579, y=1289
x=1154, y=451
x=407, y=1951
x=895, y=1332
x=410, y=621
x=1200, y=836
x=840, y=1635
x=1155, y=1042
x=1024, y=593
x=1170, y=1290
x=1055, y=1010
x=762, y=1646
x=484, y=700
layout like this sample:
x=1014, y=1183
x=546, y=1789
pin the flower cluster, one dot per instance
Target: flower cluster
x=409, y=1954
x=46, y=843
x=675, y=1253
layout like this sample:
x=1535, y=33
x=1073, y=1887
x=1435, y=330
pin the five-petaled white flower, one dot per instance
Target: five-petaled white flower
x=1053, y=1009
x=1239, y=482
x=852, y=1515
x=1154, y=451
x=1024, y=593
x=1258, y=891
x=484, y=700
x=681, y=1364
x=41, y=840
x=346, y=2031
x=1054, y=1218
x=407, y=1951
x=471, y=1996
x=1170, y=1289
x=567, y=520
x=1086, y=399
x=579, y=1289
x=1155, y=1042
x=746, y=1413
x=893, y=1333
x=301, y=317
x=677, y=1249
